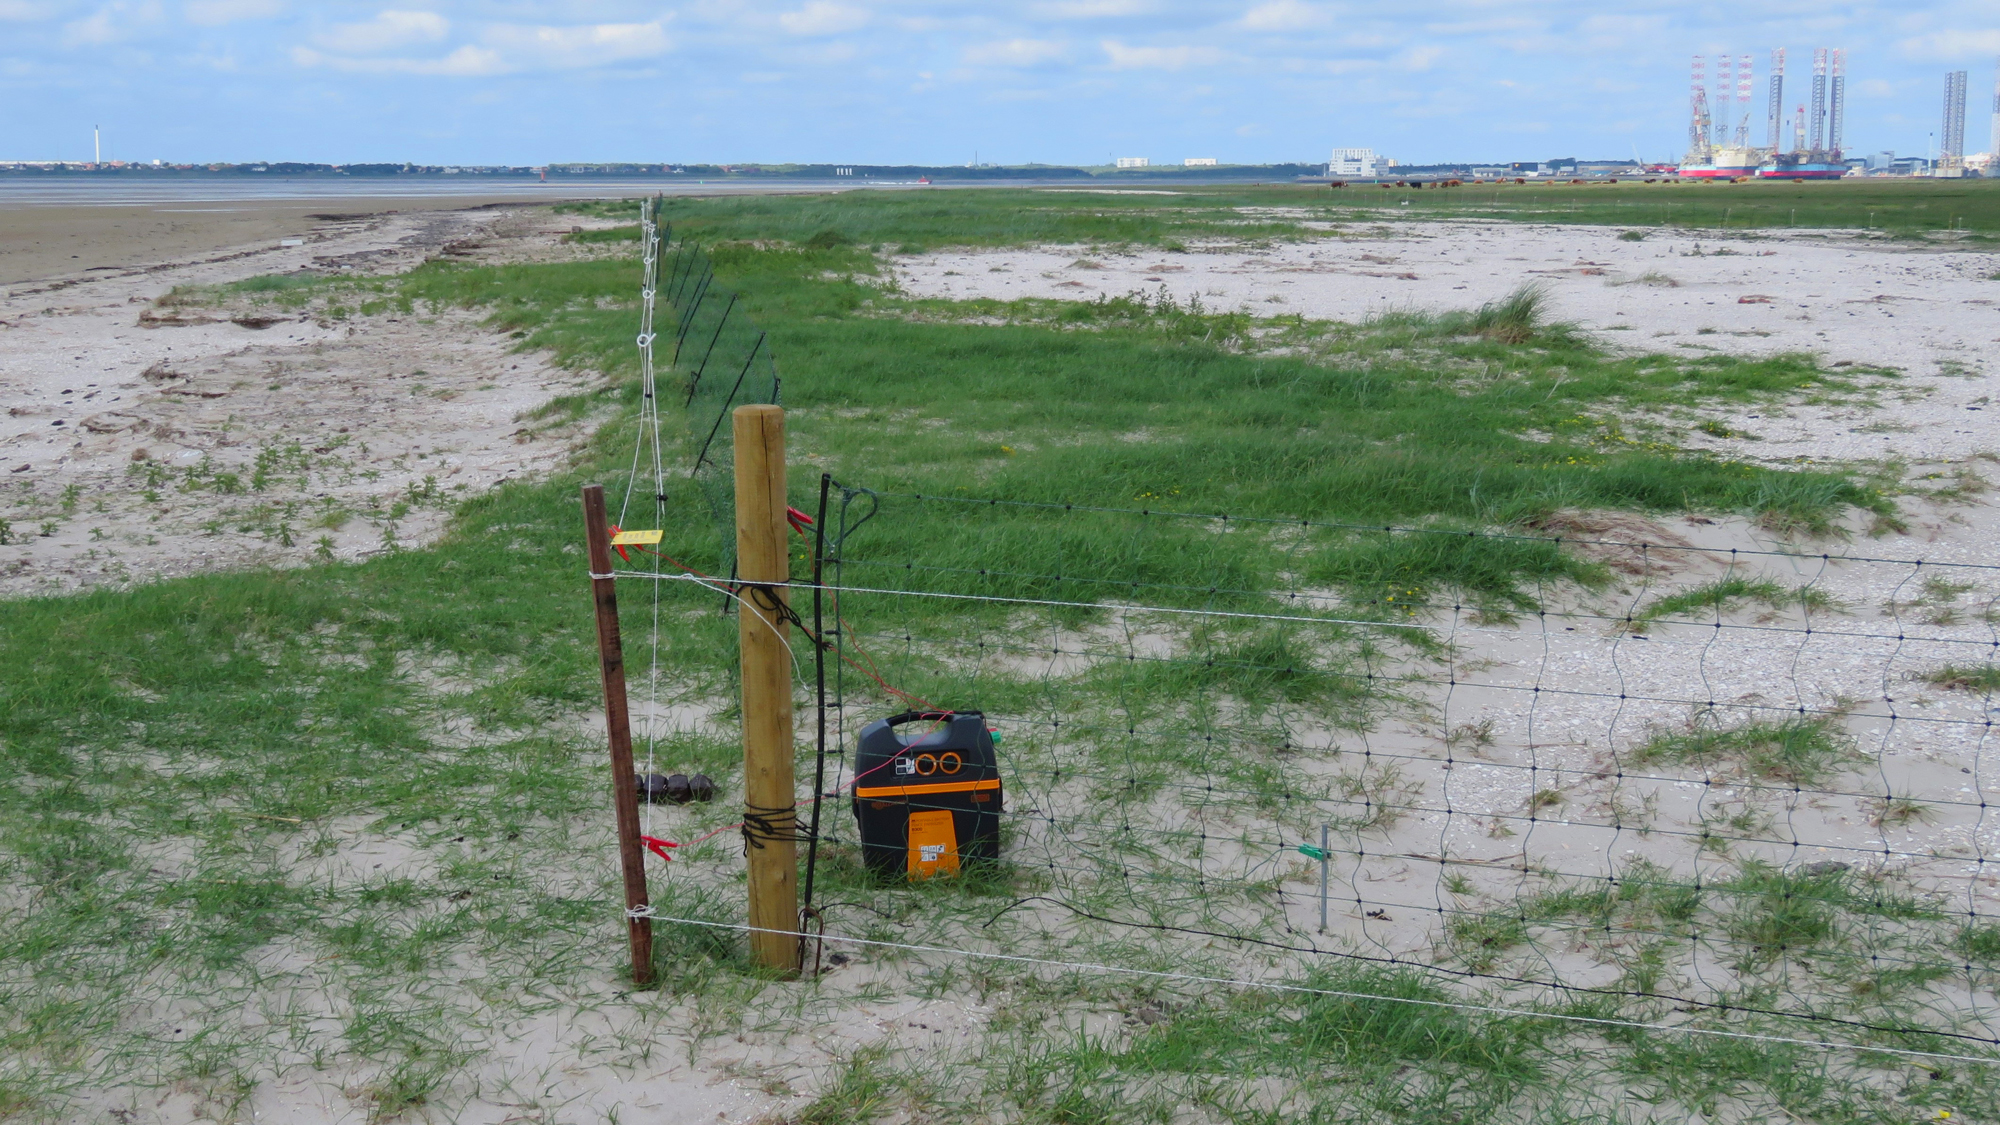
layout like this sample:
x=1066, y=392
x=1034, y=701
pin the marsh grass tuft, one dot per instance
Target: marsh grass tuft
x=1653, y=278
x=1521, y=317
x=1983, y=678
x=1806, y=750
x=1723, y=594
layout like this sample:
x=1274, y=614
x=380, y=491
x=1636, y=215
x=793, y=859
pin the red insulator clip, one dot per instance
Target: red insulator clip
x=615, y=530
x=658, y=846
x=800, y=521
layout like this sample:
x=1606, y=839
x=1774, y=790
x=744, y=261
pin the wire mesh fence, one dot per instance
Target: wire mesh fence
x=1656, y=775
x=1604, y=769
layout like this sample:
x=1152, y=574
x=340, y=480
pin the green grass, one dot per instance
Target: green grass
x=177, y=754
x=1709, y=601
x=996, y=217
x=1908, y=208
x=1805, y=751
x=1983, y=678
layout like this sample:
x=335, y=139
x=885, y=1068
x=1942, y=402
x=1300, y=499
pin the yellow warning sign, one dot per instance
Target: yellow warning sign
x=635, y=539
x=933, y=843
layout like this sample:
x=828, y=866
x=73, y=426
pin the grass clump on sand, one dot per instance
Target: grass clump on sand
x=1806, y=750
x=1983, y=678
x=1724, y=594
x=1521, y=317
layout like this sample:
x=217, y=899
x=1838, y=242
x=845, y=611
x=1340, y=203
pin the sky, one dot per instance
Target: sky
x=902, y=82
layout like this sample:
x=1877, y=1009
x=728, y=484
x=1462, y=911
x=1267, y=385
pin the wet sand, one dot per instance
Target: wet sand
x=44, y=241
x=53, y=228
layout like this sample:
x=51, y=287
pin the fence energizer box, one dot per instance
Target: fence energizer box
x=927, y=802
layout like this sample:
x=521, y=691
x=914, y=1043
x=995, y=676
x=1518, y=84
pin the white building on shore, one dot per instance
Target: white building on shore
x=1352, y=162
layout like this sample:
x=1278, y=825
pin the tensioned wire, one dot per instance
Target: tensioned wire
x=648, y=438
x=1282, y=521
x=1222, y=881
x=1914, y=564
x=1310, y=600
x=1344, y=994
x=1223, y=732
x=1245, y=615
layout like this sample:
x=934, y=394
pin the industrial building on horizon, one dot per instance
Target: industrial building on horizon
x=1359, y=163
x=1715, y=151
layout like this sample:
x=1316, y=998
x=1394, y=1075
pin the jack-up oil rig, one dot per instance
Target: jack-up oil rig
x=1715, y=152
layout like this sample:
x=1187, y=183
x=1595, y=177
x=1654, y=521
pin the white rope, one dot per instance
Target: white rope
x=754, y=612
x=648, y=438
x=1279, y=986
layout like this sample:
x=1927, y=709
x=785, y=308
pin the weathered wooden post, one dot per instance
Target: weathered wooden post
x=618, y=727
x=763, y=566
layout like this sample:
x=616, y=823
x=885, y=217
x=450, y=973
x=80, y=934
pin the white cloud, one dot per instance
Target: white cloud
x=1952, y=44
x=109, y=24
x=1015, y=52
x=1159, y=58
x=1285, y=15
x=511, y=48
x=1486, y=27
x=465, y=62
x=388, y=31
x=215, y=13
x=823, y=17
x=1089, y=9
x=1419, y=58
x=568, y=48
x=21, y=11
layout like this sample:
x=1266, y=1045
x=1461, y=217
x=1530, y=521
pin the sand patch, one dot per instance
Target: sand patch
x=141, y=439
x=1846, y=297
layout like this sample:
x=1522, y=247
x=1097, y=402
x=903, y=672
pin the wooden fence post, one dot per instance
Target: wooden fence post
x=770, y=809
x=618, y=727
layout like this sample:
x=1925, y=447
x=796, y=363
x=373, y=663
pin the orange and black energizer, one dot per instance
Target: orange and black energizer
x=927, y=793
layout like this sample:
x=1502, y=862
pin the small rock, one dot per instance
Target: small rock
x=652, y=787
x=1825, y=867
x=677, y=790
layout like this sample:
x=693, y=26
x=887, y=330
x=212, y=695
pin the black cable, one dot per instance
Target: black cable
x=819, y=684
x=770, y=823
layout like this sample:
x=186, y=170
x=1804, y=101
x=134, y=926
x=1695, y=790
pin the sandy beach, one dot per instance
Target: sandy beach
x=131, y=428
x=141, y=408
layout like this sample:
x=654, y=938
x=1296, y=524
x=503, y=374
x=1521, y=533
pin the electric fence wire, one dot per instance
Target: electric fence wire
x=1083, y=837
x=649, y=458
x=1344, y=994
x=1069, y=839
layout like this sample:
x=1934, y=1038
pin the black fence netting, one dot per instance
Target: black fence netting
x=714, y=359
